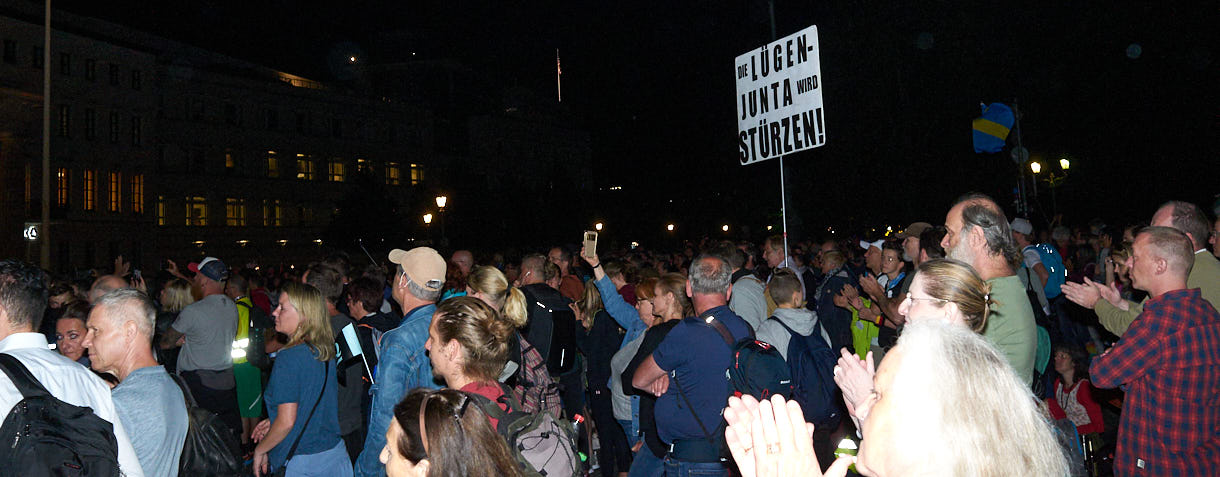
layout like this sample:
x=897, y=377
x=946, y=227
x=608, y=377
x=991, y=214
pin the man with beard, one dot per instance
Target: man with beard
x=977, y=233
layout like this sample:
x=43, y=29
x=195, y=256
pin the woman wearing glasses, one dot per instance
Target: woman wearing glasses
x=942, y=290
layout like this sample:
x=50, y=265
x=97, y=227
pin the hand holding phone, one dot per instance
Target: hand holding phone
x=590, y=242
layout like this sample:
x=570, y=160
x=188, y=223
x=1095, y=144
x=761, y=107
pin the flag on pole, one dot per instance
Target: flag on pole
x=991, y=129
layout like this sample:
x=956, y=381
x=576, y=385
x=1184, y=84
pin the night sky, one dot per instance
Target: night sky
x=652, y=82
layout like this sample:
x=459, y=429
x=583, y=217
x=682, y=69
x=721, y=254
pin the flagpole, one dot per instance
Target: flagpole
x=558, y=73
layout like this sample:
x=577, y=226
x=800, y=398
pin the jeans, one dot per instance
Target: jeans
x=679, y=468
x=632, y=437
x=646, y=464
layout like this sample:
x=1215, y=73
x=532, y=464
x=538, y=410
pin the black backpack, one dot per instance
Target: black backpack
x=757, y=368
x=256, y=351
x=541, y=443
x=211, y=448
x=551, y=324
x=812, y=363
x=45, y=436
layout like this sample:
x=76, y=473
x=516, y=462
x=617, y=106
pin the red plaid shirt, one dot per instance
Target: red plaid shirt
x=1168, y=362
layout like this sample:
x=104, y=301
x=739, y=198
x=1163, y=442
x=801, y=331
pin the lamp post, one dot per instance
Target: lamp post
x=1052, y=178
x=598, y=226
x=441, y=201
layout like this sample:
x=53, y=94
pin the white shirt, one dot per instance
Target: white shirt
x=69, y=382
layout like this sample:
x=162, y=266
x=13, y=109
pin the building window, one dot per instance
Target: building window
x=114, y=74
x=336, y=169
x=302, y=123
x=65, y=120
x=10, y=51
x=196, y=211
x=273, y=164
x=115, y=191
x=114, y=127
x=230, y=162
x=336, y=127
x=161, y=210
x=90, y=123
x=36, y=58
x=417, y=174
x=90, y=69
x=273, y=213
x=362, y=165
x=136, y=139
x=61, y=186
x=235, y=212
x=136, y=84
x=271, y=119
x=137, y=193
x=304, y=167
x=393, y=174
x=90, y=180
x=65, y=64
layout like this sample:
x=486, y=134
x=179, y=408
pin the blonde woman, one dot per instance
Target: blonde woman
x=302, y=434
x=524, y=371
x=174, y=296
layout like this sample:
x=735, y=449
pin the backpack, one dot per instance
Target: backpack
x=757, y=368
x=811, y=363
x=256, y=351
x=210, y=448
x=49, y=437
x=1056, y=271
x=542, y=444
x=553, y=313
x=531, y=384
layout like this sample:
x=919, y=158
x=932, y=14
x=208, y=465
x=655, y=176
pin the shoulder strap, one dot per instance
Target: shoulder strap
x=325, y=380
x=23, y=380
x=781, y=323
x=706, y=435
x=710, y=320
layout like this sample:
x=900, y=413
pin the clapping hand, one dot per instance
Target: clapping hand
x=771, y=438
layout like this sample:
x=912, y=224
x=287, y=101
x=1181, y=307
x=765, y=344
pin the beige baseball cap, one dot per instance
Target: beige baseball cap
x=423, y=266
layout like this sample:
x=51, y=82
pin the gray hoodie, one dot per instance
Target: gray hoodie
x=799, y=319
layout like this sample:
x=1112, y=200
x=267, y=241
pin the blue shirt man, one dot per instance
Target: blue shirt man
x=403, y=364
x=691, y=364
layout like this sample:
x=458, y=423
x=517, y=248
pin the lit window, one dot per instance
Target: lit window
x=273, y=164
x=115, y=191
x=235, y=212
x=304, y=167
x=336, y=170
x=393, y=175
x=61, y=187
x=137, y=193
x=196, y=211
x=230, y=162
x=90, y=190
x=417, y=174
x=362, y=165
x=273, y=213
x=161, y=210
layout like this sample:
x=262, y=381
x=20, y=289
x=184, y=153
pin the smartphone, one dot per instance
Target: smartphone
x=590, y=243
x=136, y=275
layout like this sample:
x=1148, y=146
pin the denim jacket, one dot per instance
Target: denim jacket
x=403, y=366
x=622, y=312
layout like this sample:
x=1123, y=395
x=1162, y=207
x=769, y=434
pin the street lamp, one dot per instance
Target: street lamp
x=427, y=219
x=1052, y=178
x=669, y=227
x=724, y=227
x=1036, y=167
x=597, y=226
x=441, y=201
x=1064, y=163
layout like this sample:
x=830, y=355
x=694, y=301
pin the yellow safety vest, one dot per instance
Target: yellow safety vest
x=242, y=340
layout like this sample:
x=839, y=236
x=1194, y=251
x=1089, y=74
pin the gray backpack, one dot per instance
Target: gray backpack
x=543, y=445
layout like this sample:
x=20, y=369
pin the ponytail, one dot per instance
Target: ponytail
x=514, y=307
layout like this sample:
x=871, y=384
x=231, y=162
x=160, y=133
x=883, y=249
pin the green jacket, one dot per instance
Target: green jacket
x=1204, y=275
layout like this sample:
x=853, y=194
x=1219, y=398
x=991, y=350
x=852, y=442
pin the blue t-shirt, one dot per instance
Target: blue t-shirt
x=297, y=377
x=697, y=358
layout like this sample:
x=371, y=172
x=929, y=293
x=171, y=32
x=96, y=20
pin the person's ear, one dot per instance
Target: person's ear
x=689, y=291
x=421, y=468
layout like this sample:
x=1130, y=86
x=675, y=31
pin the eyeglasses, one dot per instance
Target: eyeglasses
x=914, y=298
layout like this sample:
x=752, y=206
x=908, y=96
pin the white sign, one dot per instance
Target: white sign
x=30, y=232
x=779, y=98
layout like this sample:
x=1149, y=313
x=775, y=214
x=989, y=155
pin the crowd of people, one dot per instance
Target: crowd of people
x=978, y=347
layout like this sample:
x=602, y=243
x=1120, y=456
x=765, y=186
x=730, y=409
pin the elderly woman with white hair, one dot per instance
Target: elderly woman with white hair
x=945, y=402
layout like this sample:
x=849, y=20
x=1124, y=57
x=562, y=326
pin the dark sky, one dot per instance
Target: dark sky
x=653, y=83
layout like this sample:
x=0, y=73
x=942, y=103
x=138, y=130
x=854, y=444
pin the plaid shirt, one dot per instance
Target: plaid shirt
x=1168, y=362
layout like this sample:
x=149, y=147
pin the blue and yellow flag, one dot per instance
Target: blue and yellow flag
x=991, y=129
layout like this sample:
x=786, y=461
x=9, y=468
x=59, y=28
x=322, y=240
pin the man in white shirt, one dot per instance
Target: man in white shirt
x=23, y=297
